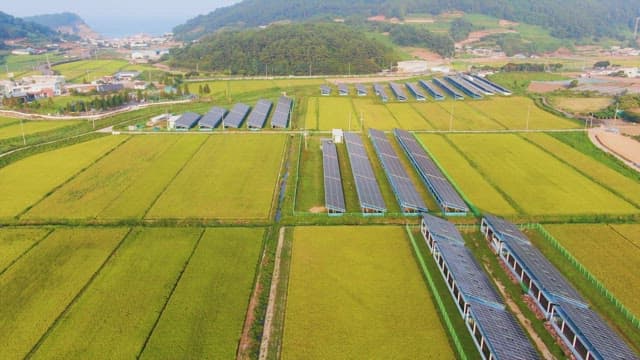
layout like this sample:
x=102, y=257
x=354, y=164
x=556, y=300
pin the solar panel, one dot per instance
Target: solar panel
x=187, y=120
x=381, y=92
x=282, y=112
x=442, y=228
x=343, y=89
x=333, y=194
x=447, y=197
x=236, y=116
x=367, y=187
x=500, y=89
x=213, y=118
x=362, y=90
x=431, y=90
x=461, y=85
x=502, y=333
x=504, y=228
x=448, y=89
x=398, y=91
x=595, y=333
x=404, y=189
x=481, y=87
x=259, y=114
x=325, y=90
x=415, y=91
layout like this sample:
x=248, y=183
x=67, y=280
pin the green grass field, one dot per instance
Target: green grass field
x=357, y=293
x=89, y=69
x=31, y=127
x=582, y=105
x=204, y=317
x=472, y=184
x=374, y=115
x=230, y=177
x=123, y=302
x=608, y=252
x=537, y=183
x=14, y=242
x=124, y=184
x=25, y=182
x=38, y=288
x=337, y=113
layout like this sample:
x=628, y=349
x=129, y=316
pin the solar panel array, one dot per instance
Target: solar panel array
x=448, y=89
x=367, y=187
x=447, y=197
x=343, y=89
x=259, y=114
x=325, y=90
x=413, y=88
x=406, y=193
x=455, y=81
x=381, y=92
x=362, y=90
x=213, y=118
x=236, y=116
x=431, y=90
x=500, y=330
x=187, y=120
x=500, y=89
x=333, y=194
x=398, y=91
x=281, y=114
x=484, y=88
x=568, y=303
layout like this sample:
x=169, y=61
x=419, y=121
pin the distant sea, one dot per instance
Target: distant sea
x=123, y=27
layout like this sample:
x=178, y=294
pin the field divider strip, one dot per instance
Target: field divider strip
x=173, y=289
x=56, y=188
x=580, y=171
x=436, y=295
x=284, y=156
x=275, y=279
x=144, y=215
x=297, y=183
x=426, y=119
x=624, y=237
x=2, y=271
x=75, y=299
x=630, y=316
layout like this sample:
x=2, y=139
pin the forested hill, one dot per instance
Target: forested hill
x=566, y=19
x=293, y=49
x=14, y=28
x=64, y=23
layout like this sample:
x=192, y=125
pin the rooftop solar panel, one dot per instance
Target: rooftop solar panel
x=367, y=187
x=213, y=118
x=600, y=338
x=187, y=120
x=333, y=193
x=259, y=114
x=236, y=116
x=503, y=334
x=447, y=197
x=504, y=228
x=403, y=187
x=282, y=113
x=441, y=228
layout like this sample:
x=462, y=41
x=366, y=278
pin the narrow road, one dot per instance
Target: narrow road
x=273, y=292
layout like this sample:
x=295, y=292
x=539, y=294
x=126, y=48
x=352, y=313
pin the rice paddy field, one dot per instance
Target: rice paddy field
x=29, y=127
x=608, y=251
x=374, y=115
x=336, y=113
x=531, y=179
x=89, y=69
x=349, y=288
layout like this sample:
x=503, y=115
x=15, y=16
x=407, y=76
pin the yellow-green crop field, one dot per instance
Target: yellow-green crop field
x=39, y=287
x=335, y=113
x=123, y=184
x=350, y=288
x=610, y=252
x=512, y=113
x=25, y=182
x=311, y=114
x=89, y=69
x=582, y=105
x=31, y=127
x=374, y=115
x=6, y=121
x=14, y=242
x=408, y=117
x=229, y=177
x=475, y=186
x=536, y=182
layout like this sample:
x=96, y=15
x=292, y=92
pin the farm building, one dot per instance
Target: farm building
x=186, y=121
x=325, y=90
x=578, y=327
x=495, y=332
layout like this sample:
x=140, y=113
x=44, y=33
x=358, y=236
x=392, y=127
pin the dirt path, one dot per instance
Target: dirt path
x=623, y=147
x=268, y=320
x=546, y=354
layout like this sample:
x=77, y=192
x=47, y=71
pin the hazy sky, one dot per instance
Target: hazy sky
x=113, y=15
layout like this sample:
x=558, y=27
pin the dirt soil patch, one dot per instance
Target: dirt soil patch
x=318, y=209
x=507, y=23
x=614, y=142
x=544, y=87
x=424, y=54
x=476, y=36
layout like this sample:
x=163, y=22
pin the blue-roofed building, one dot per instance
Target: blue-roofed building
x=187, y=121
x=495, y=332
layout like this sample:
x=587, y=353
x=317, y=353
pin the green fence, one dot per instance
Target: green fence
x=583, y=270
x=436, y=295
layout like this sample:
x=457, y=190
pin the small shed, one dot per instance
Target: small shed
x=337, y=135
